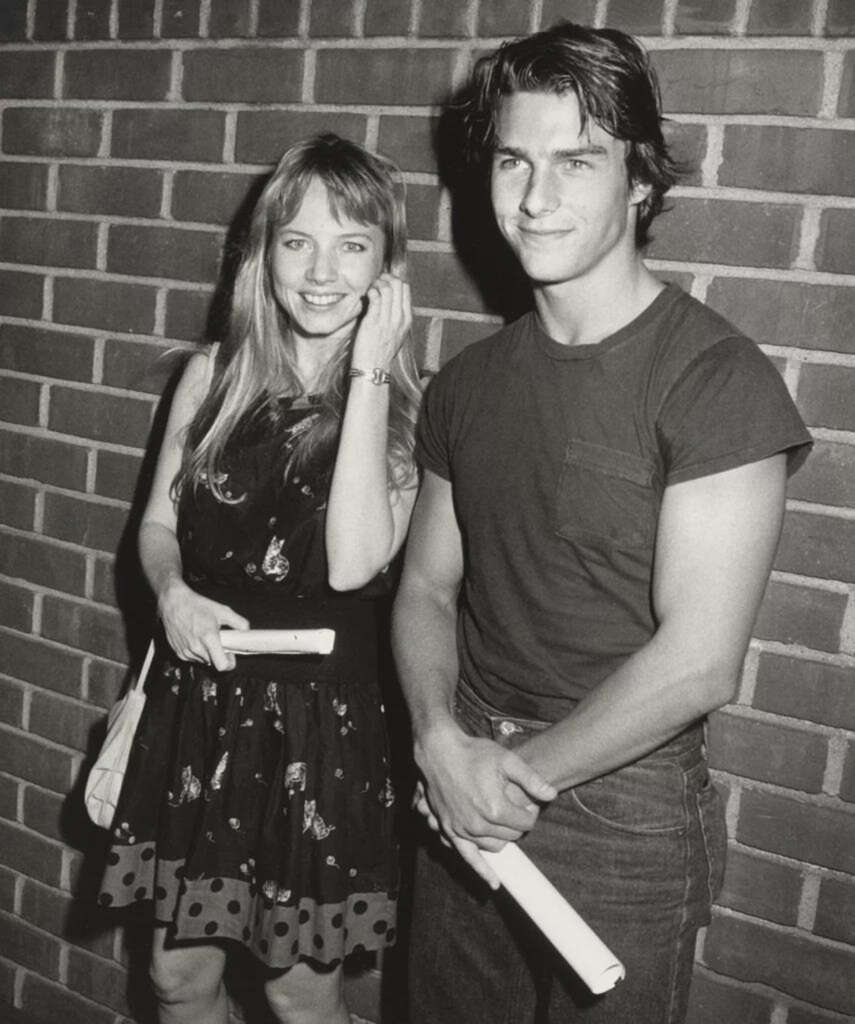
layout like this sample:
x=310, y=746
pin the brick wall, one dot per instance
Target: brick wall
x=132, y=133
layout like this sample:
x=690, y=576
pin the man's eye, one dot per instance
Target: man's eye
x=508, y=163
x=354, y=247
x=577, y=165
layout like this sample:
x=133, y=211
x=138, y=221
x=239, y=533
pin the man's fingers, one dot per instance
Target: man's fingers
x=516, y=770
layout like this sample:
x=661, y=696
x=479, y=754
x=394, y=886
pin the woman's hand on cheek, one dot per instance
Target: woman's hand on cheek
x=384, y=325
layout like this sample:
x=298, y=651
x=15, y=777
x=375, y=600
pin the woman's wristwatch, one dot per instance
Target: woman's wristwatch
x=375, y=376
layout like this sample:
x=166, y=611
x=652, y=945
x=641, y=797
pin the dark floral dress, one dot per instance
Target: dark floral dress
x=257, y=804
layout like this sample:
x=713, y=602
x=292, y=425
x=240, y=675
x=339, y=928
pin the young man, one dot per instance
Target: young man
x=602, y=497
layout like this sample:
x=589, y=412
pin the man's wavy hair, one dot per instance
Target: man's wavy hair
x=614, y=83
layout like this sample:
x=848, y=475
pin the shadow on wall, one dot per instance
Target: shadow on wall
x=493, y=268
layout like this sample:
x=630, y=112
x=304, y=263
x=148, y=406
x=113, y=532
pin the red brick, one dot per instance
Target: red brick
x=788, y=962
x=50, y=241
x=34, y=660
x=422, y=211
x=64, y=721
x=92, y=19
x=825, y=396
x=57, y=912
x=444, y=21
x=761, y=887
x=263, y=135
x=789, y=159
x=21, y=294
x=116, y=191
x=106, y=682
x=816, y=545
x=835, y=912
x=104, y=586
x=29, y=947
x=331, y=18
x=117, y=74
x=9, y=811
x=709, y=18
x=801, y=615
x=810, y=690
x=229, y=19
x=8, y=971
x=187, y=314
x=36, y=761
x=408, y=141
x=45, y=352
x=58, y=131
x=23, y=186
x=13, y=21
x=17, y=505
x=30, y=853
x=386, y=18
x=788, y=313
x=180, y=19
x=164, y=252
x=779, y=18
x=840, y=20
x=835, y=250
x=11, y=702
x=797, y=1014
x=639, y=17
x=502, y=18
x=117, y=474
x=16, y=606
x=278, y=19
x=140, y=366
x=113, y=418
x=41, y=458
x=810, y=832
x=96, y=630
x=244, y=75
x=171, y=135
x=214, y=198
x=440, y=280
x=27, y=74
x=103, y=981
x=847, y=782
x=828, y=476
x=53, y=1002
x=715, y=1000
x=688, y=146
x=107, y=305
x=725, y=231
x=19, y=400
x=739, y=81
x=757, y=749
x=38, y=561
x=581, y=11
x=51, y=22
x=43, y=811
x=397, y=76
x=84, y=522
x=136, y=19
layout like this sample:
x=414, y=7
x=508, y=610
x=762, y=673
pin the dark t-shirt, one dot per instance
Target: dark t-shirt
x=558, y=456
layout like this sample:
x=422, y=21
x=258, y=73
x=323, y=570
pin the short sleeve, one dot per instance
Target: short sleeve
x=433, y=431
x=729, y=407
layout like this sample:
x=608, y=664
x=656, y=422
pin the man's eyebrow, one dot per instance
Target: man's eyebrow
x=561, y=154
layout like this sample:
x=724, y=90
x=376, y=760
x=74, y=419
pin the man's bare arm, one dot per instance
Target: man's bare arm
x=715, y=545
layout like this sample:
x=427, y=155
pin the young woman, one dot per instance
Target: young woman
x=257, y=804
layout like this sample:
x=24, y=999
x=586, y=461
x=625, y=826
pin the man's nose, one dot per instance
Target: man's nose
x=540, y=197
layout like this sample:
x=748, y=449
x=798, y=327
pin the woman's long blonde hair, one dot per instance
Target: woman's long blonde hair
x=256, y=363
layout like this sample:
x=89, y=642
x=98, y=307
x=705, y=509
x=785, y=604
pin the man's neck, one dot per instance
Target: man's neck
x=585, y=311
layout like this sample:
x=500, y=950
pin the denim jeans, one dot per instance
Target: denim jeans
x=638, y=852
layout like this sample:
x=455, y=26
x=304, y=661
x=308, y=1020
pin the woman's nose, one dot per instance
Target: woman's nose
x=322, y=268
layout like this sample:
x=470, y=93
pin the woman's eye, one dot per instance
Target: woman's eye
x=294, y=243
x=354, y=247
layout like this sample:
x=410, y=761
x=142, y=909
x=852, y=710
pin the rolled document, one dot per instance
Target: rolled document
x=581, y=947
x=277, y=641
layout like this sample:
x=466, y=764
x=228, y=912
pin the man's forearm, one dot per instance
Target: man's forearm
x=651, y=698
x=425, y=646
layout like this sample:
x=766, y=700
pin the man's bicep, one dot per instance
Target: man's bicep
x=434, y=547
x=714, y=551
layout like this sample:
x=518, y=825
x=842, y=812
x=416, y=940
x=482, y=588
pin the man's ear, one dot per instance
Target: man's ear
x=638, y=192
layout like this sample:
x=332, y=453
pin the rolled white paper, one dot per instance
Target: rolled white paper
x=580, y=946
x=277, y=641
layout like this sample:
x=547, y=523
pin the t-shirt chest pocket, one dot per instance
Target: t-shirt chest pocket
x=606, y=496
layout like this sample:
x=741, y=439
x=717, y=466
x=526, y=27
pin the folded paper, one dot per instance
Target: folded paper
x=277, y=641
x=580, y=946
